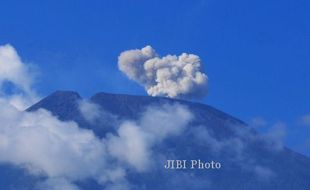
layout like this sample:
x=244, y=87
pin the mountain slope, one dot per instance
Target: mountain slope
x=249, y=160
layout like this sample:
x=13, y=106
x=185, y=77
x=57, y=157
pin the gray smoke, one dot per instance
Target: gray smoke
x=172, y=76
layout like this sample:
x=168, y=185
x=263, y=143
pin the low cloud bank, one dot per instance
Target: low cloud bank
x=45, y=146
x=65, y=153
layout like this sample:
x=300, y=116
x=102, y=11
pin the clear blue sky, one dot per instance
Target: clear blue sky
x=256, y=53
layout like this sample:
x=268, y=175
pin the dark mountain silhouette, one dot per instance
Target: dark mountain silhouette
x=249, y=161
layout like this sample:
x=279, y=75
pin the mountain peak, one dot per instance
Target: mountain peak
x=66, y=103
x=59, y=102
x=67, y=93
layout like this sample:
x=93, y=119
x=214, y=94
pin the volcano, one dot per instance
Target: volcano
x=248, y=159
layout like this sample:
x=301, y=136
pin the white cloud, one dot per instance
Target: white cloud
x=238, y=147
x=57, y=184
x=165, y=120
x=15, y=72
x=274, y=133
x=130, y=145
x=46, y=146
x=135, y=140
x=94, y=114
x=60, y=151
x=274, y=138
x=90, y=111
x=264, y=173
x=13, y=69
x=233, y=146
x=172, y=76
x=64, y=153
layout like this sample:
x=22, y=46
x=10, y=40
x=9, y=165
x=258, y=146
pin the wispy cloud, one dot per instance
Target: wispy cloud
x=305, y=120
x=257, y=122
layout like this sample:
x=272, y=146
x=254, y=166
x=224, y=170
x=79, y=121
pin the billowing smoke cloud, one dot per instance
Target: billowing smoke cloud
x=172, y=76
x=18, y=75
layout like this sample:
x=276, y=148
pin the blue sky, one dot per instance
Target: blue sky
x=255, y=53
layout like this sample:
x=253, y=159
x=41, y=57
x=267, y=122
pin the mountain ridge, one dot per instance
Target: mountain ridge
x=213, y=134
x=75, y=96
